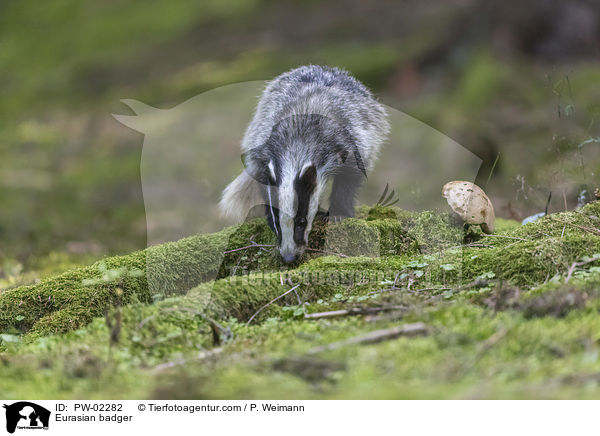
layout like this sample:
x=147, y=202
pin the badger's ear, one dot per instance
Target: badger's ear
x=144, y=118
x=307, y=178
x=358, y=160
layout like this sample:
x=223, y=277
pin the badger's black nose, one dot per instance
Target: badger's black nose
x=289, y=258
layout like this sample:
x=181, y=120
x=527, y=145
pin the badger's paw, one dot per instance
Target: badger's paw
x=330, y=218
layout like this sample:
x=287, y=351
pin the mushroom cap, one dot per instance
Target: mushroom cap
x=470, y=202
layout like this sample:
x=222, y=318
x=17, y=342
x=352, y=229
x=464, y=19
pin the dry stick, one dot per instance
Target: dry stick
x=395, y=280
x=577, y=264
x=258, y=244
x=472, y=244
x=492, y=170
x=289, y=282
x=248, y=246
x=353, y=311
x=395, y=289
x=373, y=337
x=271, y=302
x=591, y=230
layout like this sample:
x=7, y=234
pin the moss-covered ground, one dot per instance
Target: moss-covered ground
x=508, y=315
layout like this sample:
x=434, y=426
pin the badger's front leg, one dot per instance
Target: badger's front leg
x=343, y=193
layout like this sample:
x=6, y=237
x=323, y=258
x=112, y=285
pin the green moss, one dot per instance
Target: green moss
x=519, y=331
x=251, y=247
x=269, y=360
x=506, y=225
x=378, y=212
x=72, y=299
x=524, y=255
x=531, y=254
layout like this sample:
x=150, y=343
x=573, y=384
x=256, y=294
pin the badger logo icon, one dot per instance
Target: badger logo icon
x=26, y=415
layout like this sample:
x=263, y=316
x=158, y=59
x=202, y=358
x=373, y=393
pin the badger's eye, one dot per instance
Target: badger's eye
x=301, y=222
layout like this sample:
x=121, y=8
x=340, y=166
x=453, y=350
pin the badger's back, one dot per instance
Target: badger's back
x=327, y=92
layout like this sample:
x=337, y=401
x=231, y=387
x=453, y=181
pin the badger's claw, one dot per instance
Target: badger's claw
x=333, y=218
x=323, y=216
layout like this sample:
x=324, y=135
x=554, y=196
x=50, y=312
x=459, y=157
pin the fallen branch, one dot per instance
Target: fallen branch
x=376, y=336
x=271, y=302
x=248, y=246
x=353, y=311
x=413, y=291
x=575, y=265
x=591, y=230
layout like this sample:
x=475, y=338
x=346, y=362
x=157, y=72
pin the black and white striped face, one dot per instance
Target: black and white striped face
x=292, y=203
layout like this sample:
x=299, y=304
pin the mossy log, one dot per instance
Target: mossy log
x=236, y=271
x=72, y=299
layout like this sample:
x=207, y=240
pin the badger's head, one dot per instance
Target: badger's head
x=292, y=167
x=292, y=200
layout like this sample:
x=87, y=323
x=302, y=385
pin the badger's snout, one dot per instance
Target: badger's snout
x=289, y=257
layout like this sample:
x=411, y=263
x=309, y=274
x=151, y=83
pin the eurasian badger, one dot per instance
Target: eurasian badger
x=312, y=124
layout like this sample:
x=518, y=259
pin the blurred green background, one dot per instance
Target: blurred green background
x=517, y=83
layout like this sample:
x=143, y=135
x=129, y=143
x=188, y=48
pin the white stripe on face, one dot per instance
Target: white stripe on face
x=269, y=188
x=287, y=212
x=313, y=208
x=272, y=170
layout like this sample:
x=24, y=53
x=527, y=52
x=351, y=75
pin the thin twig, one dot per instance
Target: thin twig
x=373, y=337
x=289, y=282
x=353, y=311
x=395, y=289
x=591, y=230
x=395, y=280
x=575, y=265
x=271, y=302
x=472, y=244
x=248, y=246
x=258, y=244
x=492, y=170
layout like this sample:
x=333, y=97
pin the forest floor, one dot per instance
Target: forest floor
x=391, y=304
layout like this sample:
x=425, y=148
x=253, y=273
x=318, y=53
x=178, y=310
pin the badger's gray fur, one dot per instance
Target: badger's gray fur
x=312, y=124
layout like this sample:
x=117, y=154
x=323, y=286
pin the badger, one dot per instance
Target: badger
x=312, y=125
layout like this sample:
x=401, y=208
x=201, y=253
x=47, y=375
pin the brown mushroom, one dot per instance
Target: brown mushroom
x=470, y=202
